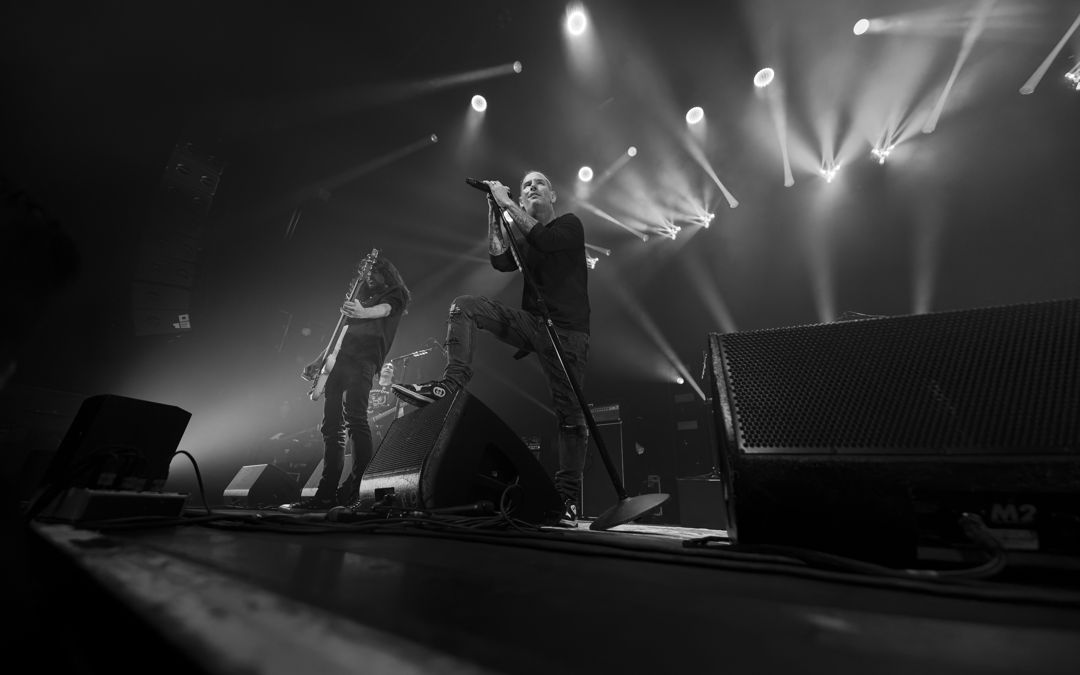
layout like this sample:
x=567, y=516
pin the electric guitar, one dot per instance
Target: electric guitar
x=329, y=356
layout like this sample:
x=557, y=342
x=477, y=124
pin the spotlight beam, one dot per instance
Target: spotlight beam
x=707, y=288
x=610, y=171
x=350, y=99
x=476, y=254
x=635, y=309
x=608, y=217
x=699, y=156
x=926, y=255
x=512, y=385
x=972, y=34
x=345, y=177
x=322, y=189
x=776, y=110
x=1037, y=76
x=444, y=81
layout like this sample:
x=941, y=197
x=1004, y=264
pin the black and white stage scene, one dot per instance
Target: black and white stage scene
x=540, y=337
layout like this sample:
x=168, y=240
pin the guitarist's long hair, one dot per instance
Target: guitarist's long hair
x=385, y=279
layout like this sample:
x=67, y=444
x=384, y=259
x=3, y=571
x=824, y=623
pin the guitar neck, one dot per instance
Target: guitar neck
x=339, y=330
x=354, y=292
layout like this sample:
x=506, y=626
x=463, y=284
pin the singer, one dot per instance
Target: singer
x=553, y=250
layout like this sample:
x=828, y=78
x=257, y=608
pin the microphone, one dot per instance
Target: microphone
x=479, y=185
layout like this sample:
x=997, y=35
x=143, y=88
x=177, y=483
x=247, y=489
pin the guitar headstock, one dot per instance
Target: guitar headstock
x=368, y=264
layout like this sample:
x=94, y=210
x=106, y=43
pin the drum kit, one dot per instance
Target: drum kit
x=383, y=407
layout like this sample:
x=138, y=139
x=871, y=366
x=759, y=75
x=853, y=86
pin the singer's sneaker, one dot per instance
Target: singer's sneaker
x=570, y=516
x=422, y=394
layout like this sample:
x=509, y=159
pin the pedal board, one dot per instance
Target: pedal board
x=83, y=504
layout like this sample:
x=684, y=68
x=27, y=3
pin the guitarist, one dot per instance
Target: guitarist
x=371, y=321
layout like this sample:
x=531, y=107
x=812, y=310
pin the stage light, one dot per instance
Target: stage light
x=764, y=77
x=576, y=21
x=694, y=115
x=590, y=261
x=707, y=219
x=1036, y=77
x=1074, y=76
x=585, y=174
x=517, y=66
x=479, y=103
x=434, y=138
x=828, y=173
x=882, y=153
x=679, y=379
x=632, y=151
x=861, y=26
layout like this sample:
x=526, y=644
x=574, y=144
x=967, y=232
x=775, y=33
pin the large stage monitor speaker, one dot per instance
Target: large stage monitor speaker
x=261, y=486
x=454, y=453
x=871, y=438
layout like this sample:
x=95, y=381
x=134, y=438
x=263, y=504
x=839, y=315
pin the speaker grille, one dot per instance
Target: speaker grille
x=997, y=379
x=406, y=445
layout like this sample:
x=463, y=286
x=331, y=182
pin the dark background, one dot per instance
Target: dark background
x=303, y=102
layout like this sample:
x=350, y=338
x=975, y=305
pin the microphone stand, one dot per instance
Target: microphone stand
x=627, y=508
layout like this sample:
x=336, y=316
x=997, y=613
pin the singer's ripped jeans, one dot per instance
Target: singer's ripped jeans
x=522, y=330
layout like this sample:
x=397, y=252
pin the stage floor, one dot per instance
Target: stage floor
x=255, y=592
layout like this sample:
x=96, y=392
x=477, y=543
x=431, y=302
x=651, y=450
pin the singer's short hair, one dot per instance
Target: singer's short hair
x=522, y=182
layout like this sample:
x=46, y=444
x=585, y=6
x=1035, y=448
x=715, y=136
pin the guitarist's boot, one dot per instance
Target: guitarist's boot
x=316, y=502
x=348, y=491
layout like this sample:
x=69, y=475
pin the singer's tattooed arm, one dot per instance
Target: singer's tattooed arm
x=496, y=241
x=524, y=222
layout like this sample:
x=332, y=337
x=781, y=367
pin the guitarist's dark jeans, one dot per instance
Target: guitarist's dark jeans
x=345, y=418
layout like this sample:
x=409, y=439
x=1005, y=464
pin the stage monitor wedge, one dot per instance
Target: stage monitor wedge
x=454, y=453
x=261, y=486
x=869, y=438
x=114, y=443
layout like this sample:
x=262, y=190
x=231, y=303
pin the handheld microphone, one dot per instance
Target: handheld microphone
x=479, y=185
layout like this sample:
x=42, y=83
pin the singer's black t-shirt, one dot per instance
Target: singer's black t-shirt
x=555, y=257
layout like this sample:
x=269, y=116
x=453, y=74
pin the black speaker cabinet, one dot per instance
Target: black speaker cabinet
x=312, y=484
x=702, y=503
x=597, y=492
x=117, y=443
x=457, y=452
x=261, y=486
x=871, y=437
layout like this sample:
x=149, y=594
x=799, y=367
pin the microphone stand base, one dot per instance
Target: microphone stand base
x=628, y=509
